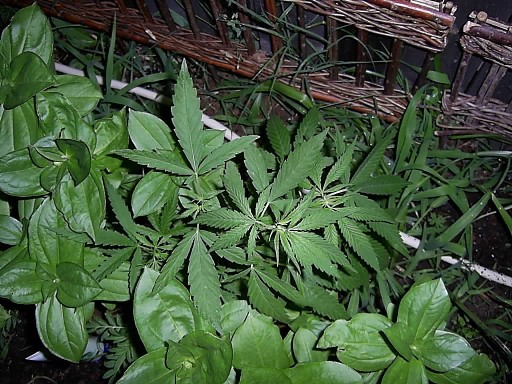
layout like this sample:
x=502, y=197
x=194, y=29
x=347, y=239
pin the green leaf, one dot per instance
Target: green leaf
x=82, y=93
x=401, y=338
x=169, y=161
x=359, y=342
x=111, y=134
x=83, y=205
x=304, y=347
x=149, y=369
x=278, y=136
x=76, y=287
x=406, y=372
x=152, y=192
x=382, y=185
x=187, y=115
x=224, y=153
x=29, y=31
x=19, y=176
x=230, y=238
x=233, y=314
x=235, y=188
x=200, y=358
x=224, y=218
x=322, y=301
x=424, y=307
x=62, y=330
x=325, y=372
x=297, y=167
x=204, y=282
x=166, y=315
x=443, y=352
x=121, y=210
x=46, y=246
x=477, y=370
x=263, y=375
x=28, y=76
x=264, y=300
x=257, y=343
x=359, y=242
x=24, y=118
x=20, y=284
x=256, y=168
x=11, y=230
x=371, y=162
x=78, y=158
x=308, y=125
x=148, y=132
x=340, y=171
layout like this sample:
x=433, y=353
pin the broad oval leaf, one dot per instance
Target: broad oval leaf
x=19, y=127
x=79, y=90
x=258, y=343
x=149, y=369
x=11, y=230
x=19, y=176
x=78, y=158
x=164, y=315
x=111, y=134
x=477, y=370
x=405, y=372
x=76, y=287
x=20, y=284
x=304, y=347
x=233, y=314
x=424, y=308
x=252, y=375
x=324, y=372
x=148, y=132
x=152, y=192
x=61, y=329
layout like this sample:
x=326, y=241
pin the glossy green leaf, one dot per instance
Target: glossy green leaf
x=325, y=372
x=19, y=176
x=45, y=245
x=200, y=358
x=477, y=370
x=83, y=205
x=187, y=114
x=111, y=134
x=28, y=76
x=11, y=230
x=29, y=31
x=24, y=118
x=152, y=192
x=20, y=284
x=76, y=287
x=443, y=352
x=166, y=315
x=381, y=185
x=401, y=337
x=261, y=375
x=258, y=343
x=359, y=341
x=78, y=158
x=148, y=132
x=61, y=329
x=424, y=308
x=304, y=347
x=406, y=372
x=82, y=93
x=233, y=314
x=149, y=369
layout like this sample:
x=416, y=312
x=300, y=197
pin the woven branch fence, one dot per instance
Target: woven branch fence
x=249, y=38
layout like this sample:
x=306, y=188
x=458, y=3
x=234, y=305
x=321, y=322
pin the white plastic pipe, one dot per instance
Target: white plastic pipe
x=230, y=135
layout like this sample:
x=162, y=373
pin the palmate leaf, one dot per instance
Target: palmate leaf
x=340, y=171
x=308, y=126
x=265, y=301
x=111, y=263
x=256, y=168
x=163, y=160
x=204, y=282
x=235, y=188
x=297, y=166
x=317, y=218
x=366, y=214
x=224, y=218
x=279, y=137
x=371, y=161
x=187, y=114
x=359, y=242
x=121, y=210
x=280, y=285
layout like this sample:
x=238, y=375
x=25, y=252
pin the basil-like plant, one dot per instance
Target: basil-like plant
x=222, y=248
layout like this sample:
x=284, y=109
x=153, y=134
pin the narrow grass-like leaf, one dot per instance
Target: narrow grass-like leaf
x=187, y=114
x=381, y=185
x=235, y=188
x=503, y=213
x=224, y=153
x=279, y=137
x=204, y=282
x=265, y=301
x=359, y=242
x=297, y=166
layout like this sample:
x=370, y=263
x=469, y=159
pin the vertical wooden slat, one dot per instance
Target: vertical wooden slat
x=393, y=67
x=425, y=68
x=221, y=27
x=361, y=57
x=271, y=8
x=459, y=78
x=192, y=19
x=301, y=22
x=166, y=14
x=143, y=8
x=332, y=38
x=493, y=78
x=249, y=42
